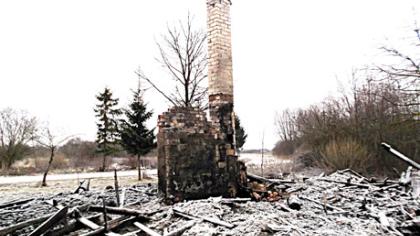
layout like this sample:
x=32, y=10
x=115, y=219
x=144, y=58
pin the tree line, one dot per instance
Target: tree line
x=119, y=130
x=346, y=131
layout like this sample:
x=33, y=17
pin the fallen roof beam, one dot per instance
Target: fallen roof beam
x=273, y=181
x=74, y=226
x=88, y=223
x=400, y=155
x=112, y=224
x=24, y=224
x=16, y=202
x=120, y=211
x=50, y=222
x=208, y=219
x=181, y=229
x=146, y=229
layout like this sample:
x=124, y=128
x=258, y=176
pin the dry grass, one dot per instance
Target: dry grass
x=344, y=154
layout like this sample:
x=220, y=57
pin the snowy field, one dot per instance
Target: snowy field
x=73, y=176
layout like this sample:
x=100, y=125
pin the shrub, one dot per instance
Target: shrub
x=130, y=162
x=343, y=154
x=284, y=148
x=41, y=163
x=60, y=162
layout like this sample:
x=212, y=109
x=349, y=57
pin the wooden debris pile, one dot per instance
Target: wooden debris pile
x=74, y=212
x=342, y=203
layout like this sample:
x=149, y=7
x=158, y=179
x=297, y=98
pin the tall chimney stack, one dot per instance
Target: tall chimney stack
x=220, y=75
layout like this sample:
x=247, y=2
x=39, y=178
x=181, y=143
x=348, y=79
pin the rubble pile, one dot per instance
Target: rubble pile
x=30, y=212
x=342, y=203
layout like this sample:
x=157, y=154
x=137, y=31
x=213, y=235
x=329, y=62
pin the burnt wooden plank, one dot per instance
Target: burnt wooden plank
x=50, y=222
x=16, y=202
x=146, y=229
x=112, y=224
x=208, y=219
x=86, y=222
x=120, y=211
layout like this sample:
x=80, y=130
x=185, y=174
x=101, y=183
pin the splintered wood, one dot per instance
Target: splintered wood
x=342, y=203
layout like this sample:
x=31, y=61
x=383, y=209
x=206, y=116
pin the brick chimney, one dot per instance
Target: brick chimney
x=196, y=157
x=220, y=75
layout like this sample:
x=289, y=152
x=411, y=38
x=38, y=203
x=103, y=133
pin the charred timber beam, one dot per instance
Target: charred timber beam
x=21, y=225
x=272, y=181
x=120, y=211
x=322, y=204
x=50, y=222
x=13, y=203
x=181, y=229
x=73, y=226
x=400, y=155
x=208, y=219
x=146, y=229
x=112, y=224
x=348, y=183
x=234, y=200
x=88, y=223
x=24, y=224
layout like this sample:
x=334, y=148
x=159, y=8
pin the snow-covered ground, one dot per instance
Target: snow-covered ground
x=272, y=165
x=54, y=177
x=256, y=159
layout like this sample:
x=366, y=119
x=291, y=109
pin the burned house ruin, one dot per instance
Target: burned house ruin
x=197, y=156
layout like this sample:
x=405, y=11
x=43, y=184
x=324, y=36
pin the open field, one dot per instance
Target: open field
x=17, y=187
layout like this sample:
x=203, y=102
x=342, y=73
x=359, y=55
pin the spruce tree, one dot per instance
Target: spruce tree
x=239, y=134
x=136, y=138
x=107, y=136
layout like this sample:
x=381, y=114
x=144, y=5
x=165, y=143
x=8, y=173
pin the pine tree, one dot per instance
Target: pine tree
x=107, y=136
x=136, y=138
x=240, y=134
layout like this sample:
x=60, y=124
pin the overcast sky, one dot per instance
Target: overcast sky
x=56, y=55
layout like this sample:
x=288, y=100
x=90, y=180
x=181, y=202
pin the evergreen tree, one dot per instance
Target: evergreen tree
x=136, y=138
x=239, y=134
x=107, y=136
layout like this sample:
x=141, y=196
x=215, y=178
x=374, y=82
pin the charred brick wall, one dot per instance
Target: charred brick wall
x=187, y=163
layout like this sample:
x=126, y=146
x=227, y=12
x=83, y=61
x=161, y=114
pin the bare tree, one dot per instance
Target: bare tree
x=16, y=130
x=285, y=124
x=183, y=55
x=404, y=71
x=48, y=140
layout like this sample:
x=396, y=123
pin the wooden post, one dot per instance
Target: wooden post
x=262, y=156
x=117, y=194
x=105, y=216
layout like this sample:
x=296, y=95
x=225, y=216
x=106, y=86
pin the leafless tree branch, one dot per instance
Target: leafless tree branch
x=183, y=54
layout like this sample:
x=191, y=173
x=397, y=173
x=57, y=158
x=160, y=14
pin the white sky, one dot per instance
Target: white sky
x=56, y=55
